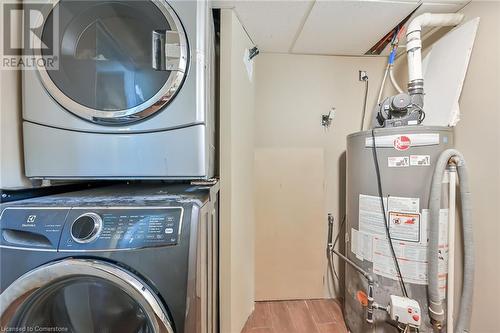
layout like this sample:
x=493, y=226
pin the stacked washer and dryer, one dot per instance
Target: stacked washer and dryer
x=131, y=97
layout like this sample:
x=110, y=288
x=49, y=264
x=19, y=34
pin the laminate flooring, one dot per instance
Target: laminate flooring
x=301, y=316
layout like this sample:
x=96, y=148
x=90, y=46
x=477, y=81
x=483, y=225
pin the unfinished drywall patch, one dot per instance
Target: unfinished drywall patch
x=289, y=223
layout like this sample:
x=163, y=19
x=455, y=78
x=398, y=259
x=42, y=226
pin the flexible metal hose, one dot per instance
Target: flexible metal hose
x=393, y=80
x=435, y=303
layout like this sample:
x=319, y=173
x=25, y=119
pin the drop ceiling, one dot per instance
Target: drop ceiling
x=329, y=27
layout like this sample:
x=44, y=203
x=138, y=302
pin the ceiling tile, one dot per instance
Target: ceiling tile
x=349, y=27
x=439, y=7
x=272, y=25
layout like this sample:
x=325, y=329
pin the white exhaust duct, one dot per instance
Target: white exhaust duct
x=414, y=41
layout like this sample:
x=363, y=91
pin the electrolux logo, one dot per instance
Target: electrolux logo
x=30, y=222
x=30, y=36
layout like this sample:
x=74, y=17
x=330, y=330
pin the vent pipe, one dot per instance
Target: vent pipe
x=414, y=49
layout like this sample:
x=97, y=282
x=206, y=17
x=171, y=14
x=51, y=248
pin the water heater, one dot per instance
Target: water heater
x=406, y=158
x=398, y=213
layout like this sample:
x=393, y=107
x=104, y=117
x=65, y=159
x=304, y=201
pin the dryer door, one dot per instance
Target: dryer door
x=119, y=61
x=81, y=296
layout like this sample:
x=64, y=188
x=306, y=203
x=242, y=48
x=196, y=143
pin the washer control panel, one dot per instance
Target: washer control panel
x=32, y=227
x=121, y=228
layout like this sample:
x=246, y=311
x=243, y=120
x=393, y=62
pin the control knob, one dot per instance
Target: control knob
x=86, y=228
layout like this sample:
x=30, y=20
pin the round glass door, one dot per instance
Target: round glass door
x=83, y=304
x=81, y=296
x=119, y=61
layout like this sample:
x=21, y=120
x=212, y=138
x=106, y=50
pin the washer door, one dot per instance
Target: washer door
x=119, y=61
x=81, y=296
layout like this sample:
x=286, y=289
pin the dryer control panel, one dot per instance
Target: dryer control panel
x=121, y=228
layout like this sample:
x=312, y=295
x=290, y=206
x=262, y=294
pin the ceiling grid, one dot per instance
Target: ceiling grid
x=327, y=27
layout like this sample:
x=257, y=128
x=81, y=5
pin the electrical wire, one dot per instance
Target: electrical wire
x=421, y=111
x=387, y=231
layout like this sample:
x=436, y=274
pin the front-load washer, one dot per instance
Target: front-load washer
x=121, y=259
x=122, y=89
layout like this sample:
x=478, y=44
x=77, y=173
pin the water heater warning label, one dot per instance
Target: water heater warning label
x=404, y=226
x=420, y=160
x=398, y=161
x=412, y=259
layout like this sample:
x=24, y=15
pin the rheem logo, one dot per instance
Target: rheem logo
x=402, y=143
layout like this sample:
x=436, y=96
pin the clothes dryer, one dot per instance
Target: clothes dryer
x=123, y=89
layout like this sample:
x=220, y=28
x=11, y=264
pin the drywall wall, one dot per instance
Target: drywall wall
x=300, y=166
x=11, y=156
x=478, y=138
x=237, y=177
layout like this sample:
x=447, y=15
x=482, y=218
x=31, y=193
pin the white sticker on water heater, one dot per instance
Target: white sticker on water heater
x=420, y=160
x=371, y=218
x=362, y=245
x=404, y=226
x=365, y=245
x=354, y=243
x=412, y=259
x=403, y=204
x=398, y=161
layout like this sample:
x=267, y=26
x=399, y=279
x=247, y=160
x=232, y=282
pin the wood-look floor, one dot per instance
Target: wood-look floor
x=303, y=316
